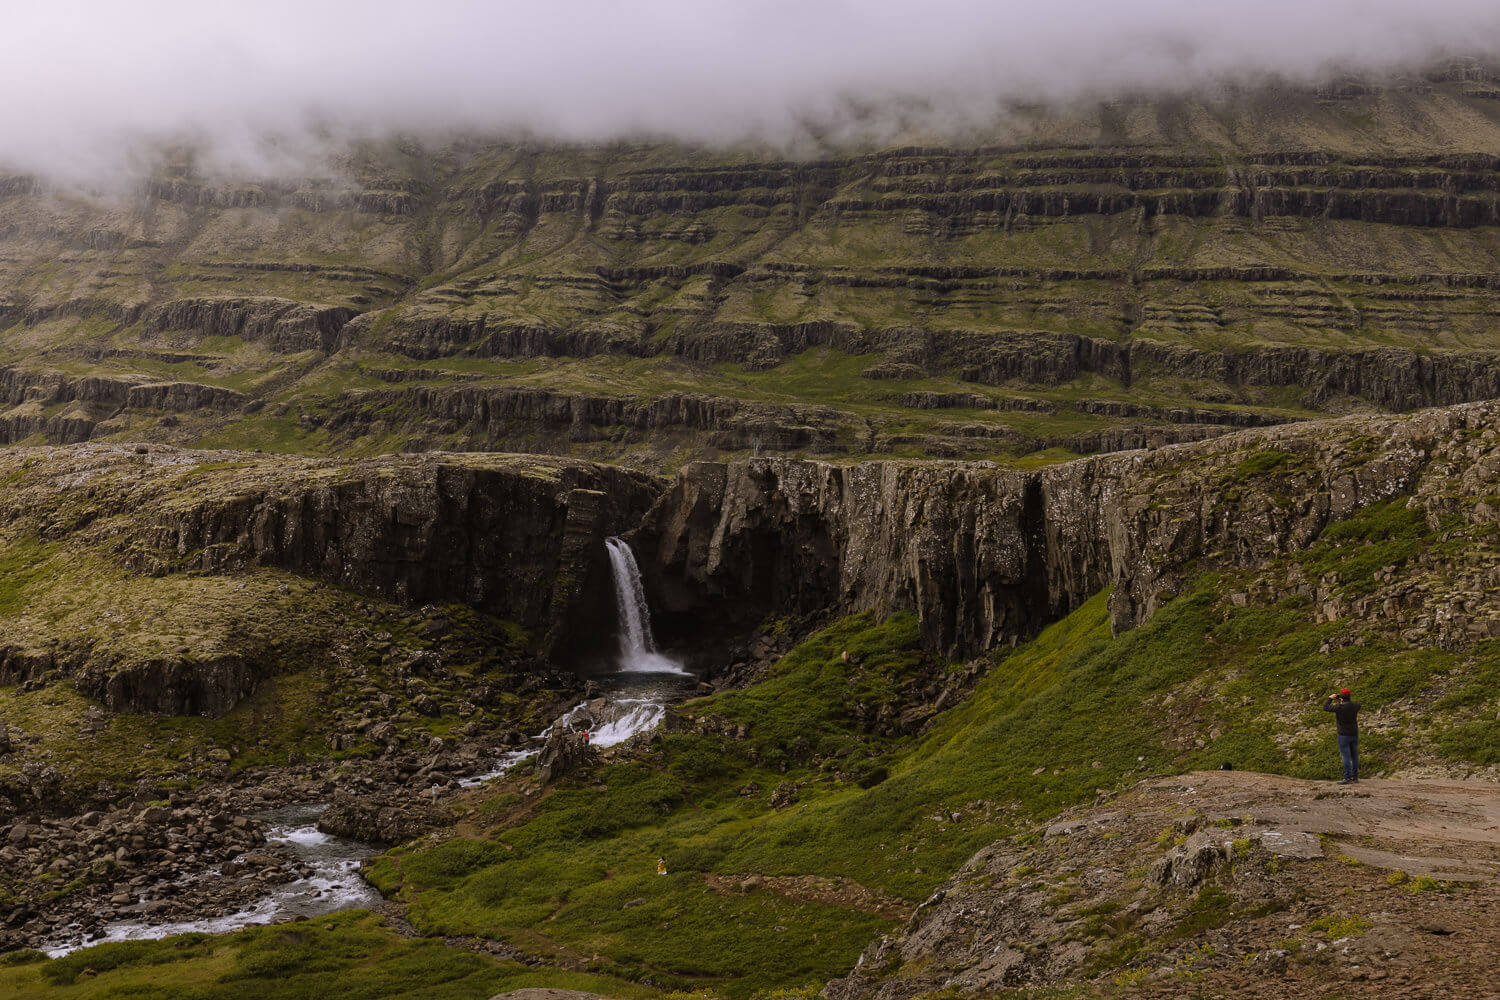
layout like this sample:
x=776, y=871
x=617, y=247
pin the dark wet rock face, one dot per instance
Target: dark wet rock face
x=421, y=530
x=986, y=555
x=516, y=538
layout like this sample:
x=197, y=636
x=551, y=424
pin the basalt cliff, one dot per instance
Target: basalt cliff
x=987, y=555
x=517, y=539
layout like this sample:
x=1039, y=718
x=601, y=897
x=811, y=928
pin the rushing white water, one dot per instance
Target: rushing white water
x=506, y=762
x=335, y=883
x=643, y=714
x=638, y=652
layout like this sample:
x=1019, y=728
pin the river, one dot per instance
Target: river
x=644, y=682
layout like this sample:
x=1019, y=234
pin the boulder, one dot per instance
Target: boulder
x=565, y=751
x=376, y=820
x=1190, y=862
x=155, y=815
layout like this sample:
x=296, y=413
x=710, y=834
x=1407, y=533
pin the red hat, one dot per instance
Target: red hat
x=1345, y=691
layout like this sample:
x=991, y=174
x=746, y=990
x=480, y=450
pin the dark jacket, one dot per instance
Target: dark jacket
x=1345, y=711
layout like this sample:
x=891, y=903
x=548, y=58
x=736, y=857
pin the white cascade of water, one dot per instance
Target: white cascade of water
x=638, y=653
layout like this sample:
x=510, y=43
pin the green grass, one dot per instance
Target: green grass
x=1262, y=463
x=1383, y=534
x=345, y=956
x=24, y=564
x=583, y=864
x=1338, y=926
x=1073, y=712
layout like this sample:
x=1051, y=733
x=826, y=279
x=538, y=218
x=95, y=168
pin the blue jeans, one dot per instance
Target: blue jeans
x=1349, y=750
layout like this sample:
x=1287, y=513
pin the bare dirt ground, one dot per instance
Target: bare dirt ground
x=843, y=892
x=1444, y=829
x=1220, y=884
x=1433, y=937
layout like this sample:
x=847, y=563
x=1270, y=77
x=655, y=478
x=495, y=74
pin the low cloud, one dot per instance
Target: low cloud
x=93, y=87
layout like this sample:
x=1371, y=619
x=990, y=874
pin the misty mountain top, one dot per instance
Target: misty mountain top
x=263, y=88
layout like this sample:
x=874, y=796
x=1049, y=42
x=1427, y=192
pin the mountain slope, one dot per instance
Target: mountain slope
x=1083, y=280
x=794, y=789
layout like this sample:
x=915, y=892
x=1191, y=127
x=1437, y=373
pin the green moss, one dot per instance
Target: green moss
x=348, y=956
x=1265, y=462
x=1337, y=926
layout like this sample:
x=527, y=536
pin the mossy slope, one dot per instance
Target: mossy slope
x=1071, y=716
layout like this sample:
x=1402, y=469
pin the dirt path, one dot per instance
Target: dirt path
x=844, y=892
x=1443, y=829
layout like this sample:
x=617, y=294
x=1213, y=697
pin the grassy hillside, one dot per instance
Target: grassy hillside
x=1074, y=714
x=806, y=814
x=346, y=955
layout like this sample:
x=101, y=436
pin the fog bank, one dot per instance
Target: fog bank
x=89, y=86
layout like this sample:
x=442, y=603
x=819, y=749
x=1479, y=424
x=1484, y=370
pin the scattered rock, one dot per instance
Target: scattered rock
x=785, y=794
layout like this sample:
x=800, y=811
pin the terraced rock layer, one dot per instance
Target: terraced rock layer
x=1256, y=258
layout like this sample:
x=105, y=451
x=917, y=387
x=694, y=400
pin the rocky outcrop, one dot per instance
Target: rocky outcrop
x=378, y=820
x=172, y=685
x=95, y=399
x=519, y=538
x=168, y=685
x=564, y=752
x=501, y=416
x=987, y=555
x=1132, y=437
x=430, y=334
x=1391, y=378
x=180, y=397
x=283, y=324
x=1143, y=868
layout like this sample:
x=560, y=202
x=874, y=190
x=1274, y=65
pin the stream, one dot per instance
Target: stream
x=334, y=884
x=644, y=682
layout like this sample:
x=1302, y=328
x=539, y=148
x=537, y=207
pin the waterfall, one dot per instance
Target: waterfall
x=638, y=652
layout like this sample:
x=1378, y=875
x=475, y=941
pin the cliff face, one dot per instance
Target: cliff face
x=520, y=541
x=516, y=538
x=986, y=556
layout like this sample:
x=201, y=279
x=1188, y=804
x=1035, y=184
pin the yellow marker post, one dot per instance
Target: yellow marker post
x=661, y=866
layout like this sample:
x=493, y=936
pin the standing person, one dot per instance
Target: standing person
x=1346, y=709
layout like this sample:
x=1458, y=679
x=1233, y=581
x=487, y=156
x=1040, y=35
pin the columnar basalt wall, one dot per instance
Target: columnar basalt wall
x=520, y=538
x=987, y=555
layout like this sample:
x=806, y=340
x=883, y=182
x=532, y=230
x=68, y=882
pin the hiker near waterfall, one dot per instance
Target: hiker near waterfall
x=1346, y=709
